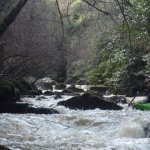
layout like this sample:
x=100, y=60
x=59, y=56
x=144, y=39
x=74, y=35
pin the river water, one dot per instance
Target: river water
x=75, y=129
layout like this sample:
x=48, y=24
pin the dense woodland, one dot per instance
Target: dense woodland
x=101, y=41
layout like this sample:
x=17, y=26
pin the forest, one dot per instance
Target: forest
x=93, y=40
x=69, y=72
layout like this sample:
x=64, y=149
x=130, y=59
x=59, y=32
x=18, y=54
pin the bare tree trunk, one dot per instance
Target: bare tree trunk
x=1, y=57
x=10, y=17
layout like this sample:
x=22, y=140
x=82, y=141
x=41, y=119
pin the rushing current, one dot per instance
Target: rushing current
x=75, y=129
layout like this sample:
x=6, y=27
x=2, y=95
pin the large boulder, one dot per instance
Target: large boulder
x=13, y=108
x=3, y=148
x=87, y=101
x=45, y=83
x=8, y=92
x=21, y=108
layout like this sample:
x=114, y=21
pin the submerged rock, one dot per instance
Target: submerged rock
x=87, y=101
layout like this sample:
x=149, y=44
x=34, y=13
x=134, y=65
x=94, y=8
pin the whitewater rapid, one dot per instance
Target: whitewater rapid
x=75, y=129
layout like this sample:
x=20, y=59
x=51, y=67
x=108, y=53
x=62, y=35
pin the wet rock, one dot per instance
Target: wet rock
x=44, y=85
x=48, y=93
x=21, y=108
x=87, y=101
x=60, y=86
x=41, y=110
x=8, y=92
x=3, y=148
x=13, y=108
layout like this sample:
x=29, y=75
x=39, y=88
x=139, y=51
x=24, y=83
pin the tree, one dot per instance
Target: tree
x=11, y=14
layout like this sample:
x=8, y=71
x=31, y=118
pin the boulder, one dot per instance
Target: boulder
x=44, y=85
x=3, y=148
x=87, y=101
x=21, y=108
x=60, y=86
x=8, y=92
x=13, y=108
x=41, y=110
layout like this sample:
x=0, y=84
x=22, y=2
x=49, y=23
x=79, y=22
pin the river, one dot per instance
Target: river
x=75, y=129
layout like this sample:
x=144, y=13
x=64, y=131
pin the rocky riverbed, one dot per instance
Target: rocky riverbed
x=96, y=129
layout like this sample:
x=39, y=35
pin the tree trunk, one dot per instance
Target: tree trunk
x=9, y=17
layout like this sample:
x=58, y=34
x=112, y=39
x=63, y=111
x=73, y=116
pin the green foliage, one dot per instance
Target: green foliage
x=123, y=67
x=78, y=17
